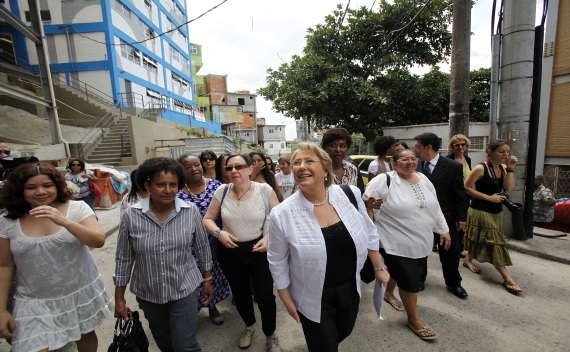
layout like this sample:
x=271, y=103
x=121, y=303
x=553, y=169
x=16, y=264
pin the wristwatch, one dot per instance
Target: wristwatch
x=510, y=169
x=380, y=268
x=217, y=233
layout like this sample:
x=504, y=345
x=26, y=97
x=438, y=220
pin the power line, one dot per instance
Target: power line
x=156, y=36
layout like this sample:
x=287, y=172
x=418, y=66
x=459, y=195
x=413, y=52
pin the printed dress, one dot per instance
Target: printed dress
x=59, y=292
x=219, y=282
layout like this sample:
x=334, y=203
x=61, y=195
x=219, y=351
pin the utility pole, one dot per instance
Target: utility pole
x=516, y=79
x=460, y=62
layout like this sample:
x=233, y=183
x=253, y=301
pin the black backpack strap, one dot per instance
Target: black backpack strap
x=346, y=189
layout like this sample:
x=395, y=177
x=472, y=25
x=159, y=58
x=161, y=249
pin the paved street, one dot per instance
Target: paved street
x=489, y=320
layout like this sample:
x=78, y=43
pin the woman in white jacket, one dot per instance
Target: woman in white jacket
x=315, y=223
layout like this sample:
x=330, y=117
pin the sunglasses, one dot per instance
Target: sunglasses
x=5, y=152
x=74, y=164
x=208, y=159
x=460, y=145
x=238, y=167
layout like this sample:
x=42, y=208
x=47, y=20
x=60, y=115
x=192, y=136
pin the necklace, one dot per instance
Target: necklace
x=243, y=194
x=196, y=195
x=324, y=201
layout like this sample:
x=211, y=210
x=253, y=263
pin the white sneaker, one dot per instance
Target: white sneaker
x=246, y=335
x=273, y=344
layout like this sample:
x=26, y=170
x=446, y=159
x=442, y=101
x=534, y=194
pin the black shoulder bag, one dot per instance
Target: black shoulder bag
x=367, y=272
x=129, y=335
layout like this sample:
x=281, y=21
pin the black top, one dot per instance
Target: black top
x=452, y=157
x=488, y=186
x=341, y=255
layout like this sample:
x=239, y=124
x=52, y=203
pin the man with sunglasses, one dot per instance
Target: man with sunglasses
x=447, y=178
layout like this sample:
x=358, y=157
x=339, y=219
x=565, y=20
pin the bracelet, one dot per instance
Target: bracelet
x=510, y=169
x=380, y=268
x=207, y=279
x=217, y=233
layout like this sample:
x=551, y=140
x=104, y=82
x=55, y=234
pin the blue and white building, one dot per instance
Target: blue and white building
x=115, y=46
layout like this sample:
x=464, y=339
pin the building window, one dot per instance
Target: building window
x=130, y=53
x=174, y=54
x=123, y=8
x=270, y=145
x=203, y=109
x=271, y=130
x=178, y=80
x=282, y=145
x=44, y=14
x=477, y=143
x=185, y=62
x=193, y=50
x=148, y=4
x=241, y=101
x=150, y=64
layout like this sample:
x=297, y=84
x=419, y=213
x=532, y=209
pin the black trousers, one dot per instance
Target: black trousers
x=449, y=259
x=339, y=308
x=242, y=266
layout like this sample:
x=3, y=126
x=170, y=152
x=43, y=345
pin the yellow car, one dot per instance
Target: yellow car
x=362, y=161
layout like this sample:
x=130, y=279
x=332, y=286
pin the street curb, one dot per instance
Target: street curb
x=538, y=254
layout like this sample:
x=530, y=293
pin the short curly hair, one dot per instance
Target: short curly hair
x=152, y=167
x=12, y=194
x=334, y=134
x=382, y=144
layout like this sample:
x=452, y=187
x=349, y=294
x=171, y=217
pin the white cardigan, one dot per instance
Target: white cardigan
x=297, y=253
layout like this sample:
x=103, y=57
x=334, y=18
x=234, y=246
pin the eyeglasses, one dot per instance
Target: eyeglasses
x=406, y=160
x=74, y=164
x=462, y=145
x=309, y=162
x=238, y=167
x=208, y=159
x=5, y=151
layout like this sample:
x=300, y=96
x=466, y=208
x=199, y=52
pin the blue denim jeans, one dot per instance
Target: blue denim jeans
x=89, y=200
x=173, y=324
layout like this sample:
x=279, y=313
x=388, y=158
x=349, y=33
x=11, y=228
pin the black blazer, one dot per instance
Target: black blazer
x=447, y=178
x=452, y=157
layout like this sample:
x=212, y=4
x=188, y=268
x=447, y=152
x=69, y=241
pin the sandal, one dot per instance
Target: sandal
x=511, y=287
x=472, y=268
x=396, y=304
x=426, y=329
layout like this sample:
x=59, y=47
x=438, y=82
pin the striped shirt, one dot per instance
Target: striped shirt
x=164, y=268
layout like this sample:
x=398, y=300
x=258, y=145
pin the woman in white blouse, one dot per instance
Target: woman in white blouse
x=409, y=215
x=316, y=223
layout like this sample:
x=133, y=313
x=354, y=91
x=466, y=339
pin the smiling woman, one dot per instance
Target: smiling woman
x=155, y=242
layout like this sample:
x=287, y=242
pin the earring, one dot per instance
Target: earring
x=326, y=179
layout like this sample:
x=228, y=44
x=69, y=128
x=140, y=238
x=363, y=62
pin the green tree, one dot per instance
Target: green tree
x=480, y=93
x=350, y=64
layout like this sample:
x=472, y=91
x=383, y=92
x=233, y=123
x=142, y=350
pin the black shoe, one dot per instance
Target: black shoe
x=435, y=248
x=422, y=286
x=458, y=291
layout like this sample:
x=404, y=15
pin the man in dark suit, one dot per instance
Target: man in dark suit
x=447, y=178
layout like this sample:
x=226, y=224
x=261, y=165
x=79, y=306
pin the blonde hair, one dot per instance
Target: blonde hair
x=454, y=139
x=286, y=158
x=325, y=159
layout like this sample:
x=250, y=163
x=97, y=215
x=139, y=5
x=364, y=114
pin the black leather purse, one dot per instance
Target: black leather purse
x=129, y=335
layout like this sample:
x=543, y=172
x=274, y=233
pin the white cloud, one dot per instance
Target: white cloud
x=243, y=38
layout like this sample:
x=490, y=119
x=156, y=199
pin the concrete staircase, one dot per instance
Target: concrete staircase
x=111, y=149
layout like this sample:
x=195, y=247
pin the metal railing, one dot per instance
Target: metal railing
x=132, y=99
x=152, y=109
x=95, y=133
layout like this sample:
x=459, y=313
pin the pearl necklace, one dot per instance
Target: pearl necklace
x=196, y=195
x=243, y=194
x=324, y=201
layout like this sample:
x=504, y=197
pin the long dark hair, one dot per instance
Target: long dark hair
x=12, y=194
x=134, y=187
x=220, y=168
x=208, y=154
x=268, y=176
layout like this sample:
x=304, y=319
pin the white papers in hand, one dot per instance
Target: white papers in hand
x=378, y=298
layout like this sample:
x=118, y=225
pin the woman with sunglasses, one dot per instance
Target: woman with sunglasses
x=60, y=296
x=319, y=243
x=200, y=191
x=458, y=146
x=262, y=173
x=244, y=207
x=221, y=174
x=208, y=159
x=80, y=176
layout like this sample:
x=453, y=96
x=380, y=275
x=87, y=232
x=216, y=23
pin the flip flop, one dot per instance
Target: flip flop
x=511, y=287
x=427, y=329
x=396, y=304
x=472, y=268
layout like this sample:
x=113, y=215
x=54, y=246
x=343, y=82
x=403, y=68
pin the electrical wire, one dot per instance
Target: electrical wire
x=158, y=35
